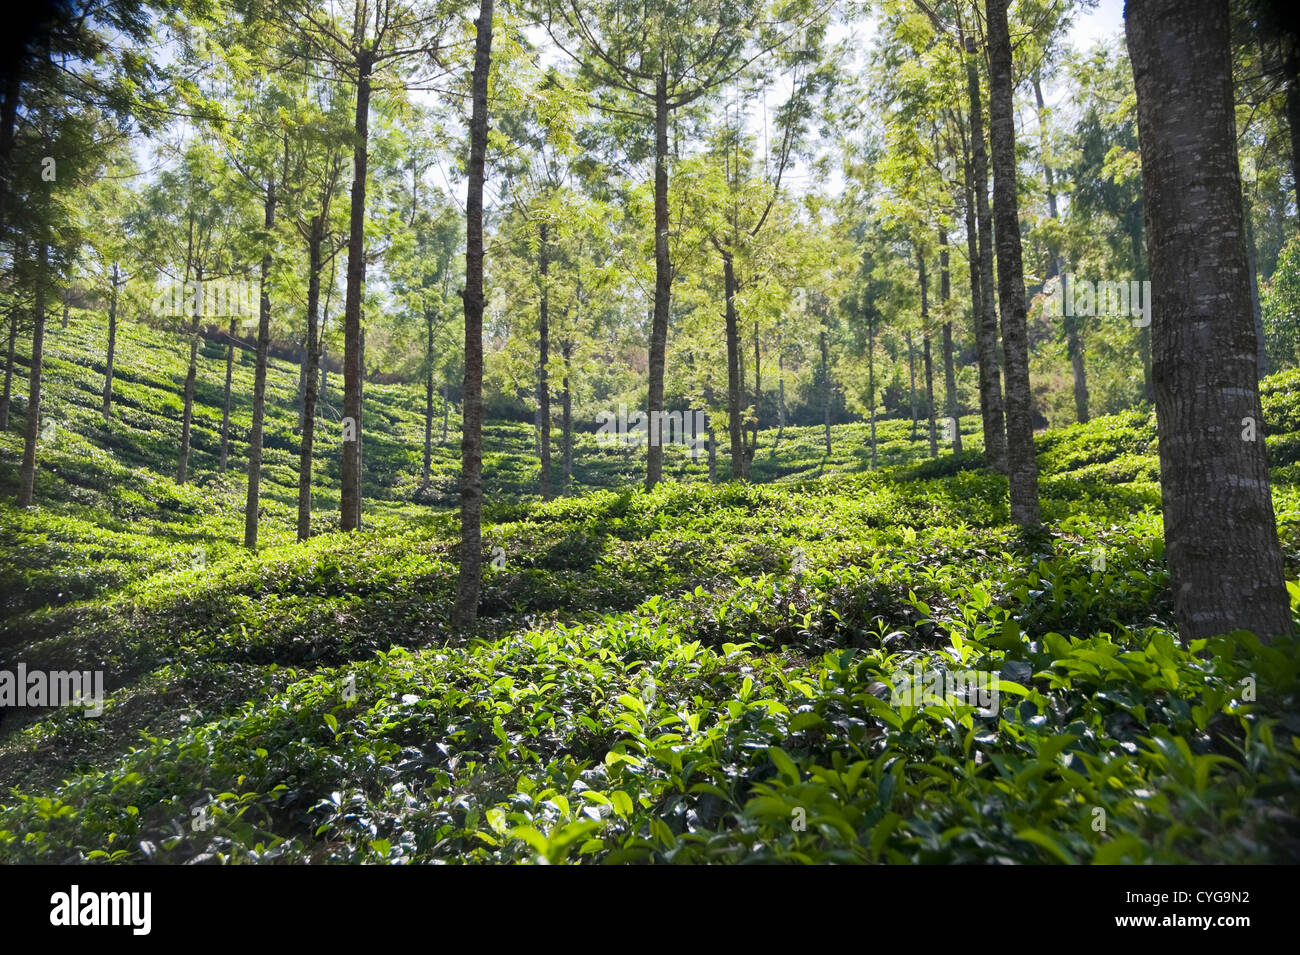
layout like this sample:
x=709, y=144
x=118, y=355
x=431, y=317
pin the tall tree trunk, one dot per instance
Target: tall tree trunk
x=112, y=344
x=663, y=285
x=708, y=430
x=911, y=378
x=225, y=398
x=307, y=439
x=566, y=415
x=446, y=407
x=191, y=374
x=826, y=387
x=871, y=385
x=734, y=426
x=1022, y=464
x=27, y=476
x=543, y=359
x=428, y=397
x=350, y=489
x=949, y=366
x=1220, y=532
x=254, y=501
x=465, y=612
x=986, y=319
x=928, y=363
x=758, y=402
x=9, y=370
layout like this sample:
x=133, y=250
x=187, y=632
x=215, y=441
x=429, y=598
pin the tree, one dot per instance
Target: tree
x=1220, y=531
x=1022, y=464
x=469, y=579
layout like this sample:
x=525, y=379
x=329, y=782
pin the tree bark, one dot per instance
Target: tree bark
x=307, y=438
x=951, y=408
x=27, y=476
x=826, y=387
x=9, y=370
x=187, y=418
x=225, y=400
x=428, y=397
x=986, y=320
x=1022, y=464
x=1220, y=532
x=254, y=501
x=663, y=285
x=350, y=490
x=871, y=384
x=566, y=416
x=928, y=363
x=465, y=611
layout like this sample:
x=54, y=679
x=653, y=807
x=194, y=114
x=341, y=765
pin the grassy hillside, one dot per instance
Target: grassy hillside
x=701, y=673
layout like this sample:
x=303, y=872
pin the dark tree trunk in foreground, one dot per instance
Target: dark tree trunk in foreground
x=543, y=359
x=253, y=502
x=1022, y=464
x=309, y=396
x=27, y=476
x=112, y=344
x=1220, y=532
x=465, y=612
x=949, y=366
x=986, y=319
x=663, y=285
x=350, y=484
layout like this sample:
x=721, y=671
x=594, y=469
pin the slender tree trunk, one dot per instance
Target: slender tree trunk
x=350, y=490
x=27, y=476
x=951, y=408
x=544, y=358
x=734, y=426
x=465, y=612
x=428, y=397
x=1021, y=460
x=986, y=319
x=307, y=439
x=446, y=407
x=112, y=344
x=911, y=377
x=191, y=374
x=1220, y=532
x=663, y=286
x=9, y=370
x=708, y=429
x=826, y=387
x=566, y=415
x=871, y=385
x=928, y=363
x=225, y=399
x=758, y=403
x=254, y=501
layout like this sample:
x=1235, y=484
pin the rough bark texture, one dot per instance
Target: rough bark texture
x=986, y=320
x=951, y=408
x=27, y=476
x=1022, y=464
x=350, y=481
x=469, y=580
x=1220, y=533
x=663, y=282
x=310, y=379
